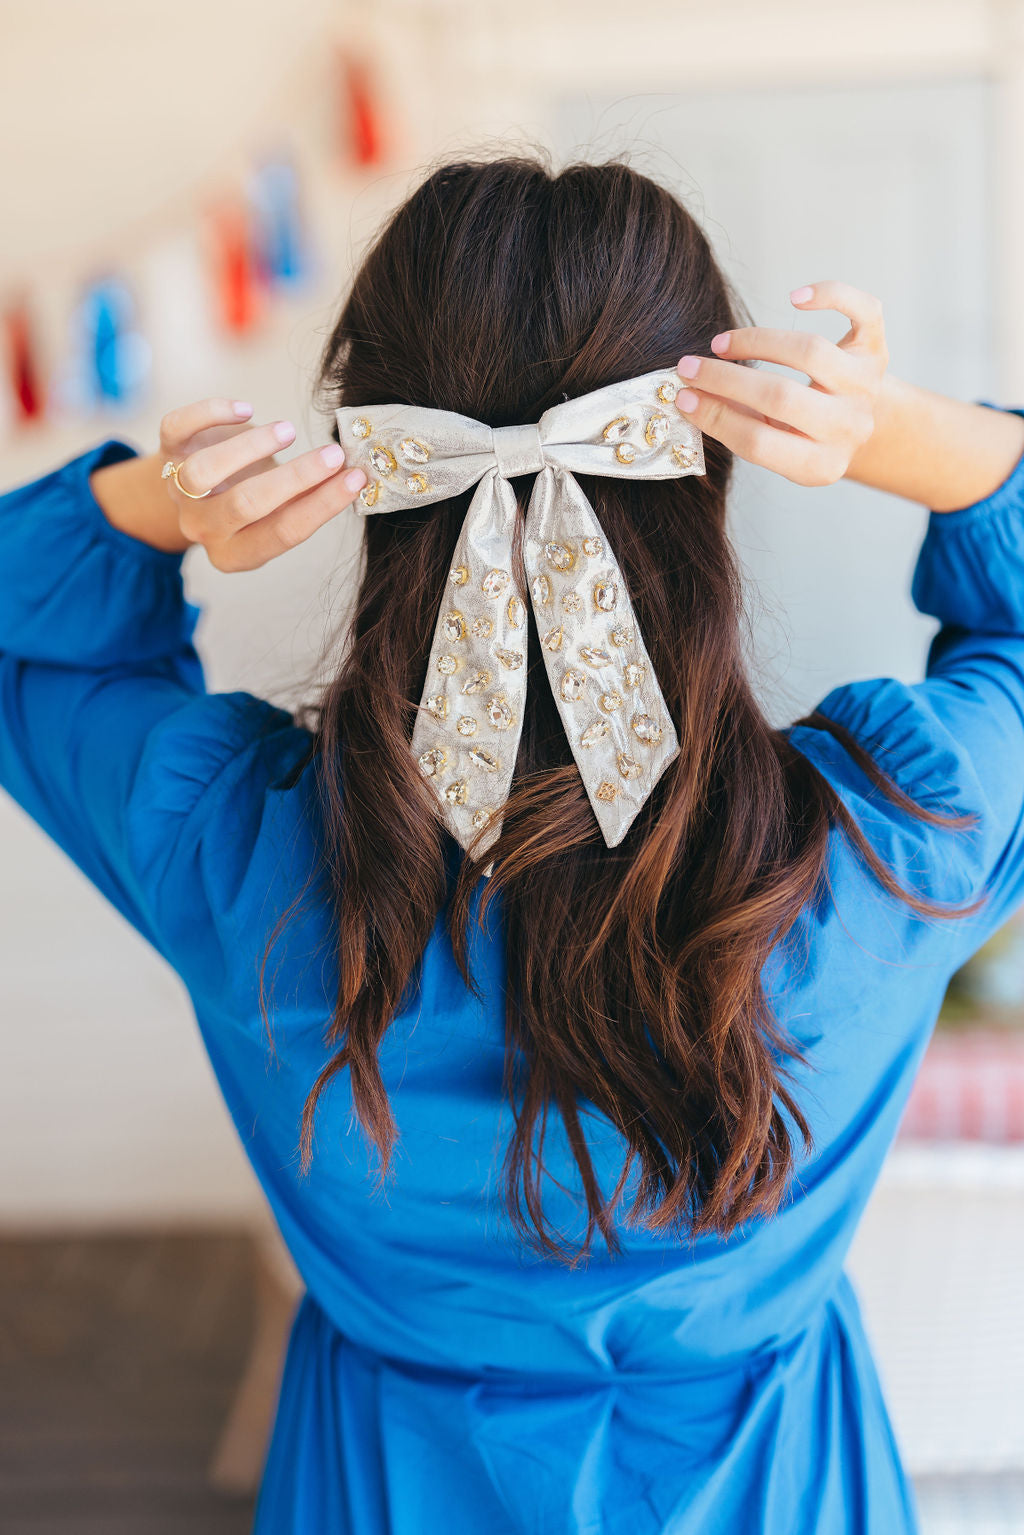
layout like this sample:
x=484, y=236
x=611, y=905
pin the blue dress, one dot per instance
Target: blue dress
x=438, y=1377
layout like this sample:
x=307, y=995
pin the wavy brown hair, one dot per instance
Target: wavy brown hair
x=497, y=290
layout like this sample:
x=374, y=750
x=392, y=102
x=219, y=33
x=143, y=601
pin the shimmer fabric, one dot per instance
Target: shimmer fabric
x=438, y=1376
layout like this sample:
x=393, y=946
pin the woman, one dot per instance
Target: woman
x=624, y=1096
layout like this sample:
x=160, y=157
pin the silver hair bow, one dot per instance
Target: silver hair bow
x=467, y=731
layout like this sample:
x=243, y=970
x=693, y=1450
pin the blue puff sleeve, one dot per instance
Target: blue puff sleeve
x=108, y=737
x=954, y=741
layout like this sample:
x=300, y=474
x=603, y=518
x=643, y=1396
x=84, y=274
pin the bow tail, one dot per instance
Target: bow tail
x=470, y=718
x=612, y=707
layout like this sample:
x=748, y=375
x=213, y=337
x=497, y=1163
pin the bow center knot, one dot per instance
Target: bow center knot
x=518, y=450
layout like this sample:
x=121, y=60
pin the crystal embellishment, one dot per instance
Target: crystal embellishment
x=499, y=713
x=432, y=761
x=574, y=686
x=560, y=556
x=361, y=427
x=412, y=451
x=458, y=575
x=656, y=430
x=621, y=635
x=437, y=705
x=667, y=391
x=593, y=548
x=481, y=818
x=453, y=626
x=606, y=595
x=594, y=733
x=482, y=758
x=553, y=639
x=625, y=453
x=476, y=682
x=629, y=767
x=466, y=725
x=495, y=582
x=515, y=612
x=383, y=460
x=370, y=494
x=482, y=628
x=646, y=729
x=418, y=484
x=513, y=659
x=455, y=793
x=594, y=657
x=448, y=665
x=617, y=429
x=685, y=456
x=609, y=702
x=541, y=589
x=634, y=675
x=572, y=602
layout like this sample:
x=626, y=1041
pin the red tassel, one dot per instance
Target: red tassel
x=361, y=129
x=237, y=277
x=24, y=374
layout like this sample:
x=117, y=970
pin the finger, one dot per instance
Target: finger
x=803, y=350
x=863, y=310
x=290, y=524
x=179, y=425
x=259, y=495
x=750, y=437
x=209, y=467
x=772, y=394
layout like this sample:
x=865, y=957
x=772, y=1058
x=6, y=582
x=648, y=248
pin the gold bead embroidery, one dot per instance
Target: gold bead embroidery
x=383, y=460
x=607, y=791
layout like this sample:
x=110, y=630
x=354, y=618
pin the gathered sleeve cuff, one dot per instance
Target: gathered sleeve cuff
x=75, y=590
x=970, y=569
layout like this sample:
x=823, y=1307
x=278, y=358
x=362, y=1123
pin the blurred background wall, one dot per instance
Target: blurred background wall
x=184, y=192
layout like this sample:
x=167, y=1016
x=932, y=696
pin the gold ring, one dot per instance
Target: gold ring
x=170, y=472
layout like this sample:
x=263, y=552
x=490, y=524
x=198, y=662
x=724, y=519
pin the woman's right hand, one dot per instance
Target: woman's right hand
x=257, y=508
x=807, y=432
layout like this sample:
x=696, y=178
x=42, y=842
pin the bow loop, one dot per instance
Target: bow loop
x=470, y=719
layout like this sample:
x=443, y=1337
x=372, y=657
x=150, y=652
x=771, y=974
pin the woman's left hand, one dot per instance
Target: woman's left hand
x=806, y=432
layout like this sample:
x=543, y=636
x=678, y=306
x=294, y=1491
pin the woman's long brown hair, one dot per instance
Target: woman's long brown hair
x=634, y=973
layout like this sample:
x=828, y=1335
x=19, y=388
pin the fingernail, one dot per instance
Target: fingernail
x=720, y=343
x=801, y=295
x=332, y=455
x=688, y=366
x=242, y=408
x=355, y=479
x=687, y=399
x=284, y=431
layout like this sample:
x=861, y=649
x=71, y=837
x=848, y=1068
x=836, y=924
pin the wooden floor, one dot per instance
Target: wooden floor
x=118, y=1360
